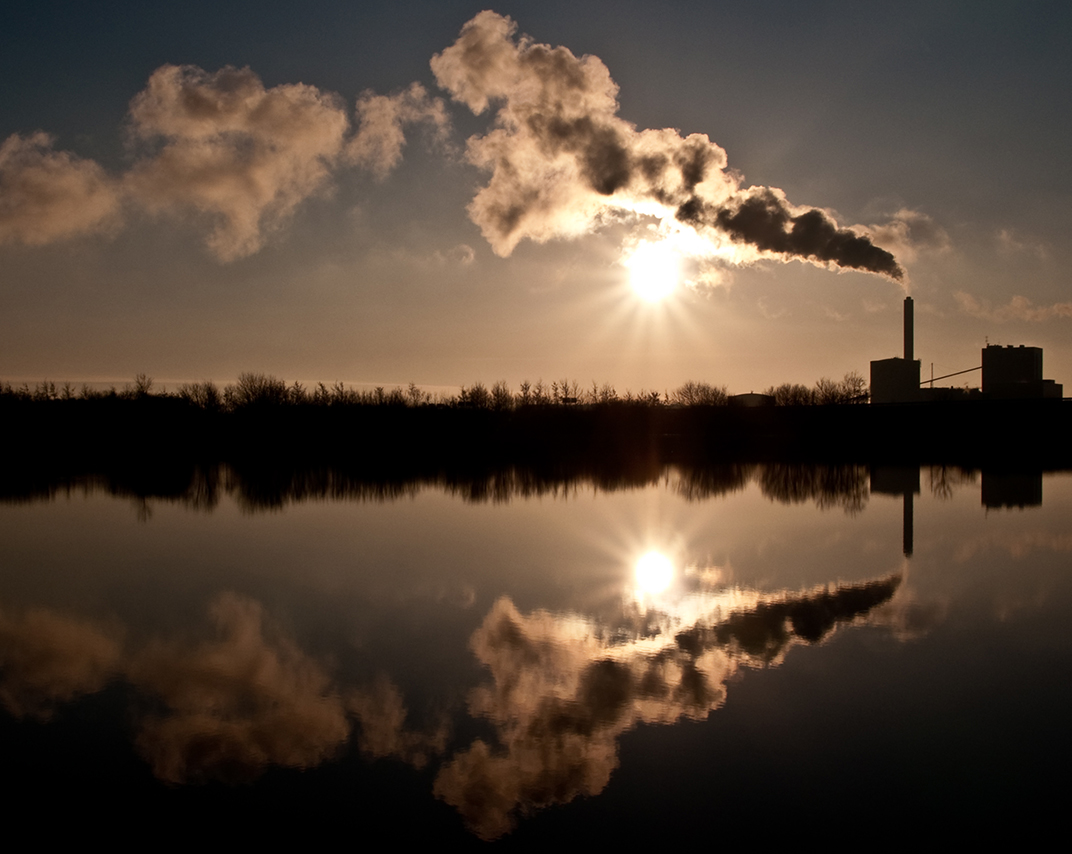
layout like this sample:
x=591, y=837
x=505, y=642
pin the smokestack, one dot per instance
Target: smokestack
x=909, y=330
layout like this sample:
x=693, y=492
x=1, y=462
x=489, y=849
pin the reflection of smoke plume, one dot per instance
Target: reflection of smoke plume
x=47, y=659
x=763, y=634
x=560, y=695
x=236, y=704
x=241, y=153
x=562, y=160
x=48, y=195
x=380, y=138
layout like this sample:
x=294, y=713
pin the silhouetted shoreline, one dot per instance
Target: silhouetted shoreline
x=161, y=445
x=963, y=432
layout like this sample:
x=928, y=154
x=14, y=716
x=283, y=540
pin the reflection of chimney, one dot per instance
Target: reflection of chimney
x=907, y=536
x=909, y=330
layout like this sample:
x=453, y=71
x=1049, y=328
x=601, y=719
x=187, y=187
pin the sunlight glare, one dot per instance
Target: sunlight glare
x=654, y=270
x=654, y=572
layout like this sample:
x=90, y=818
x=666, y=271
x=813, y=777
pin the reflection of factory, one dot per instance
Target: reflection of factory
x=1009, y=373
x=1000, y=489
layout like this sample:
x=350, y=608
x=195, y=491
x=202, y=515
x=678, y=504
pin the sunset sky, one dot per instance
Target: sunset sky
x=430, y=192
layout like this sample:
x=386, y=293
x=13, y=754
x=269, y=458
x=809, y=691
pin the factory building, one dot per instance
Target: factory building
x=1016, y=373
x=897, y=380
x=1009, y=373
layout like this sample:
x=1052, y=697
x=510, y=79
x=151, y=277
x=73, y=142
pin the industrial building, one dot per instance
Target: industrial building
x=1008, y=373
x=1016, y=372
x=897, y=380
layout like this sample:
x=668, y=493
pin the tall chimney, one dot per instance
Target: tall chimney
x=909, y=330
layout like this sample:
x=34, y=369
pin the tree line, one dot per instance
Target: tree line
x=259, y=390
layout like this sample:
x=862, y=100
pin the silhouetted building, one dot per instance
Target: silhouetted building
x=897, y=380
x=751, y=399
x=1016, y=372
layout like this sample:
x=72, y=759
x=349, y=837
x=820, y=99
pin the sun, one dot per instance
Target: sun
x=654, y=573
x=654, y=270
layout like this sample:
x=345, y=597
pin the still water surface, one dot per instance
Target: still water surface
x=663, y=662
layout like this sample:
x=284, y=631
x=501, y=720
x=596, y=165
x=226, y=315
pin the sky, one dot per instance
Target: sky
x=444, y=193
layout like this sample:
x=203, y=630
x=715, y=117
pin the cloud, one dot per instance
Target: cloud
x=1011, y=243
x=235, y=704
x=48, y=195
x=244, y=155
x=378, y=143
x=907, y=233
x=563, y=162
x=1018, y=308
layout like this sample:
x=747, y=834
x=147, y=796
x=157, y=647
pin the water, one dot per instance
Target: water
x=690, y=660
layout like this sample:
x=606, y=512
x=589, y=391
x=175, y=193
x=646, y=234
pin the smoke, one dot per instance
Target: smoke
x=563, y=162
x=380, y=138
x=244, y=155
x=48, y=195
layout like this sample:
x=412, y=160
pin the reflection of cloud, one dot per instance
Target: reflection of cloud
x=227, y=708
x=382, y=717
x=48, y=195
x=236, y=704
x=47, y=659
x=909, y=616
x=563, y=162
x=562, y=692
x=1017, y=544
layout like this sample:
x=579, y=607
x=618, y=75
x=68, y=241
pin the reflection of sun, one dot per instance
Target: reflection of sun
x=654, y=270
x=654, y=572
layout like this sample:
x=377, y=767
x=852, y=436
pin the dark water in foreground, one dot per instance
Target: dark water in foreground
x=650, y=664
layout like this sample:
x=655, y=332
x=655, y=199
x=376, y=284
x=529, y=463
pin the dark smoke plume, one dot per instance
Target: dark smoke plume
x=562, y=162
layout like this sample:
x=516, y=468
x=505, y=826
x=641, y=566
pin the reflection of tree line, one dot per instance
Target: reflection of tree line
x=246, y=697
x=271, y=486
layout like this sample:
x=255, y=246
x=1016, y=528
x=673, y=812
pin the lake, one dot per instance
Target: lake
x=773, y=652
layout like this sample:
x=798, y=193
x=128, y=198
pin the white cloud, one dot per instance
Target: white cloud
x=244, y=155
x=48, y=195
x=380, y=138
